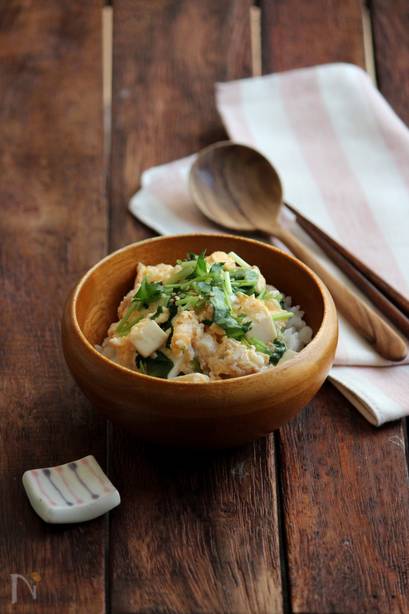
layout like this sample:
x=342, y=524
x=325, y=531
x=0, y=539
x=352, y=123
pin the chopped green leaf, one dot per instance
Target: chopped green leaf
x=228, y=290
x=238, y=260
x=234, y=326
x=187, y=268
x=216, y=270
x=189, y=301
x=126, y=323
x=148, y=292
x=203, y=287
x=274, y=351
x=157, y=312
x=201, y=265
x=244, y=280
x=157, y=367
x=172, y=308
x=218, y=300
x=282, y=315
x=279, y=348
x=259, y=345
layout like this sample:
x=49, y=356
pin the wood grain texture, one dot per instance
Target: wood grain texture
x=296, y=34
x=167, y=56
x=344, y=482
x=390, y=23
x=195, y=533
x=346, y=502
x=53, y=226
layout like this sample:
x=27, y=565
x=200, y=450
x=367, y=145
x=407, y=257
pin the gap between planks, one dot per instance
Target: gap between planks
x=107, y=51
x=369, y=52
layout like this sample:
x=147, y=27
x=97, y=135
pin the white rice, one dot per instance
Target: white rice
x=297, y=334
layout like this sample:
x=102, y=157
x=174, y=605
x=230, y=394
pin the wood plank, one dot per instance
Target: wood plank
x=195, y=532
x=297, y=34
x=167, y=56
x=390, y=23
x=346, y=501
x=344, y=482
x=53, y=227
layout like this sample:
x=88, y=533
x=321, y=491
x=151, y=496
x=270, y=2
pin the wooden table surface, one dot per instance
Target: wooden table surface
x=313, y=519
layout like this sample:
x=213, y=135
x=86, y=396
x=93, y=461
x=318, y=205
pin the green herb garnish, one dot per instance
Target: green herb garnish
x=279, y=348
x=244, y=280
x=274, y=351
x=234, y=325
x=147, y=293
x=194, y=286
x=201, y=265
x=157, y=367
x=282, y=315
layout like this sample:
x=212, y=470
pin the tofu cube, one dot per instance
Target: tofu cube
x=263, y=327
x=147, y=337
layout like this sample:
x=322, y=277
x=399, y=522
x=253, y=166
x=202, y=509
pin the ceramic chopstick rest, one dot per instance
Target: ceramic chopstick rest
x=73, y=492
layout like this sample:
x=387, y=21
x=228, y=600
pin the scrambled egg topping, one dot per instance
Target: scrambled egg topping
x=205, y=318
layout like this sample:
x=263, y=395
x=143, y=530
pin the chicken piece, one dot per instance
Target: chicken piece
x=272, y=304
x=186, y=331
x=126, y=301
x=119, y=350
x=158, y=272
x=263, y=327
x=206, y=313
x=206, y=346
x=229, y=263
x=234, y=359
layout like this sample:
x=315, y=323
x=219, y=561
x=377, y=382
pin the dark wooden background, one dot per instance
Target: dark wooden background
x=313, y=519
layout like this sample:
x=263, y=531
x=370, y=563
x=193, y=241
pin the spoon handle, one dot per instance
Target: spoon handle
x=367, y=321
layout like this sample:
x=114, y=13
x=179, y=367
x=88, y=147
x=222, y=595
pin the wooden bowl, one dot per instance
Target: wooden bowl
x=217, y=414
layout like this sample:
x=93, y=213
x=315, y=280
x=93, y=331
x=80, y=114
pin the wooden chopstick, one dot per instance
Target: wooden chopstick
x=396, y=299
x=387, y=308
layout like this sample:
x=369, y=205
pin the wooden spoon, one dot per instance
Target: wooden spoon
x=237, y=187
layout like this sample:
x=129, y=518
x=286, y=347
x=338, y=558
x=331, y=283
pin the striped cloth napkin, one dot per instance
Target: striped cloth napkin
x=343, y=156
